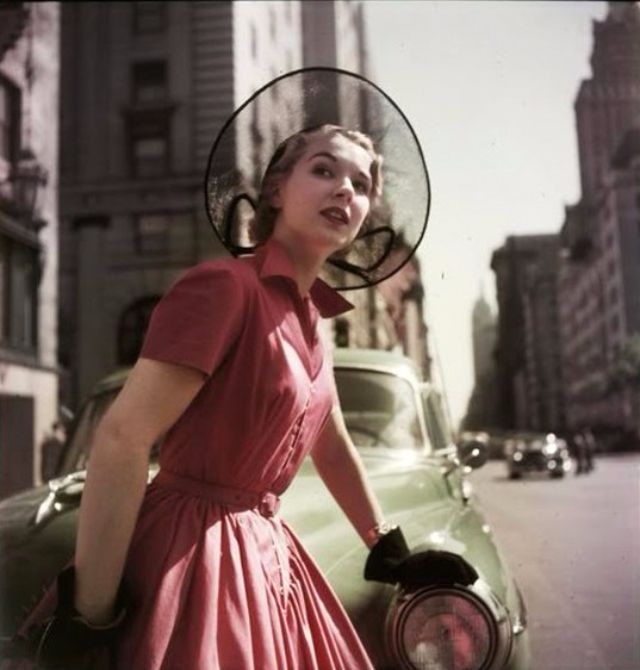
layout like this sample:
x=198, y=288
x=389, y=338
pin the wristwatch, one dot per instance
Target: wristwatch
x=376, y=532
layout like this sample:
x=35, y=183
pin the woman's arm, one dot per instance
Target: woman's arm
x=341, y=469
x=153, y=398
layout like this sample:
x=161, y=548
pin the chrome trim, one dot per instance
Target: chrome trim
x=520, y=619
x=59, y=497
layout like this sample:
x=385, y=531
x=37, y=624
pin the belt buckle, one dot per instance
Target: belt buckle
x=269, y=504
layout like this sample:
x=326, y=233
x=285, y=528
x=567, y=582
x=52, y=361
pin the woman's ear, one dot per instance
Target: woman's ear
x=275, y=199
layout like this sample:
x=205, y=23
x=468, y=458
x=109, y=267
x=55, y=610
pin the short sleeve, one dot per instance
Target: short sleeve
x=199, y=319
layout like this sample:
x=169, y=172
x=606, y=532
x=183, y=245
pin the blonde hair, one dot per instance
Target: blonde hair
x=284, y=160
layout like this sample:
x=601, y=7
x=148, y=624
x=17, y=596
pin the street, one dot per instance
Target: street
x=574, y=547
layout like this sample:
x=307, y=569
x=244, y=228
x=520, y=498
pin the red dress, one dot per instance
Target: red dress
x=224, y=586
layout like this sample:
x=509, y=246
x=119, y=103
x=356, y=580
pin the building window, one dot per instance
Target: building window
x=19, y=276
x=610, y=239
x=150, y=156
x=132, y=329
x=9, y=121
x=150, y=82
x=152, y=234
x=149, y=17
x=615, y=323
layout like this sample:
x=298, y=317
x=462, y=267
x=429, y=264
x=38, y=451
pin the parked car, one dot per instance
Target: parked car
x=419, y=476
x=537, y=452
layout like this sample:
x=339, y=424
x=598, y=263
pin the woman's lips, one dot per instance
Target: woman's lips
x=335, y=215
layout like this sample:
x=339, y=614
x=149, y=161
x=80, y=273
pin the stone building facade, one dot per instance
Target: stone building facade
x=146, y=87
x=528, y=348
x=29, y=94
x=600, y=276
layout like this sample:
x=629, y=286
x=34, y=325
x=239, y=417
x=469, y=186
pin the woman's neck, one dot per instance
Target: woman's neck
x=306, y=262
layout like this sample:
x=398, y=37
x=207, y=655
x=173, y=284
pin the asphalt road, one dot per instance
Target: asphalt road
x=574, y=547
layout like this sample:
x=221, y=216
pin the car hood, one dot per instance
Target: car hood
x=414, y=494
x=411, y=489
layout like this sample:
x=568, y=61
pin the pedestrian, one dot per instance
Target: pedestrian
x=589, y=445
x=198, y=570
x=579, y=452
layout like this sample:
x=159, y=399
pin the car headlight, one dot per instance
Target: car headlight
x=449, y=628
x=550, y=448
x=517, y=456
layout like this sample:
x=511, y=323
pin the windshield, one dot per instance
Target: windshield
x=380, y=409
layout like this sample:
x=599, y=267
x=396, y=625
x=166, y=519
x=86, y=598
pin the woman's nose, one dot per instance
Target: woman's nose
x=345, y=189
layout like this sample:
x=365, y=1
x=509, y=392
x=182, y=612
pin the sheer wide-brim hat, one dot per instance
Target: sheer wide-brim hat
x=304, y=99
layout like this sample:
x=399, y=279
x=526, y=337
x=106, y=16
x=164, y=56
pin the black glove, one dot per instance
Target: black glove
x=390, y=561
x=66, y=640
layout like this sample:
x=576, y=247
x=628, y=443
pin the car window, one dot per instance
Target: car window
x=76, y=453
x=77, y=449
x=437, y=425
x=380, y=409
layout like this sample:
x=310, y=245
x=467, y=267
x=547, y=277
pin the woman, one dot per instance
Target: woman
x=234, y=379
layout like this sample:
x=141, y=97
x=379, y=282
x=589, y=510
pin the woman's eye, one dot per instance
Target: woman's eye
x=361, y=187
x=323, y=171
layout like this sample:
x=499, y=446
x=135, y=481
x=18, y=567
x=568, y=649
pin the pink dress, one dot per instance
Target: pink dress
x=226, y=586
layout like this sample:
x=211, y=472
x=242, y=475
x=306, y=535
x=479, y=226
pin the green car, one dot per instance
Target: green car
x=419, y=476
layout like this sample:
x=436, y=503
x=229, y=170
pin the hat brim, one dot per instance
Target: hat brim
x=311, y=97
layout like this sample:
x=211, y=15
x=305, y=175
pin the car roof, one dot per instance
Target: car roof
x=385, y=361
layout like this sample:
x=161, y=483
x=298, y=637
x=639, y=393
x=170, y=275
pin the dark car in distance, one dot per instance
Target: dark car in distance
x=537, y=452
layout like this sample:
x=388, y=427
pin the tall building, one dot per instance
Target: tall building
x=29, y=69
x=483, y=331
x=608, y=103
x=600, y=274
x=482, y=409
x=528, y=345
x=146, y=87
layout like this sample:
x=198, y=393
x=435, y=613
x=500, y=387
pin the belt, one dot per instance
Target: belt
x=266, y=503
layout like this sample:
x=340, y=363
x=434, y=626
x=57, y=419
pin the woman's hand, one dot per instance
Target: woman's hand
x=391, y=562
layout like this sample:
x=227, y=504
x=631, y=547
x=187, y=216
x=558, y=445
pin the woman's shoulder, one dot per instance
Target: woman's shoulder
x=227, y=270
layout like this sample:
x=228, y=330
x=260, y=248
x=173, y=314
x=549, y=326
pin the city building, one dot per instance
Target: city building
x=482, y=409
x=600, y=273
x=483, y=329
x=528, y=348
x=29, y=71
x=146, y=87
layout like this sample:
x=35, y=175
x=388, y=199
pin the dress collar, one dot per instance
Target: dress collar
x=273, y=261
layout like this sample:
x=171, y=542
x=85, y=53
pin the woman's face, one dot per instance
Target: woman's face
x=326, y=197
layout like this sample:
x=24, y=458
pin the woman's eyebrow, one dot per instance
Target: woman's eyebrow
x=326, y=154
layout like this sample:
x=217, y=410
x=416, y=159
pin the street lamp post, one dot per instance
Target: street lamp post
x=27, y=179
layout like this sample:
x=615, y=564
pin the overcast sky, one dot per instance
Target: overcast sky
x=489, y=88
